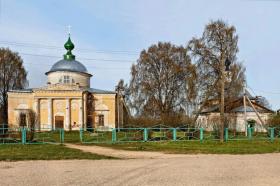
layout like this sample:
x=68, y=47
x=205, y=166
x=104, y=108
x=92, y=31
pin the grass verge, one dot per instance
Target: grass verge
x=44, y=152
x=208, y=147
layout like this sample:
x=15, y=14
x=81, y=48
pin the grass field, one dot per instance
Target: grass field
x=207, y=147
x=44, y=152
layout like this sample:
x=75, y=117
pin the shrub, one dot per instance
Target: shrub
x=274, y=120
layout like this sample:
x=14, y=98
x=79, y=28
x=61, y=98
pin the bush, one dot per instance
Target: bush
x=274, y=120
x=171, y=121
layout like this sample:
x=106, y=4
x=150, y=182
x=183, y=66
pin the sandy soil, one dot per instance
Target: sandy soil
x=147, y=169
x=123, y=153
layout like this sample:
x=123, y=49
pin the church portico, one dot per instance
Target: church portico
x=69, y=111
x=67, y=101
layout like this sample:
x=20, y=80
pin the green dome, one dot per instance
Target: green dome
x=69, y=46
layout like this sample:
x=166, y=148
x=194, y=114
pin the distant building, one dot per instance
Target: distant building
x=234, y=115
x=67, y=101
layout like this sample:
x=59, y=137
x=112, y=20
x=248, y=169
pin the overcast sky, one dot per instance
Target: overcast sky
x=109, y=35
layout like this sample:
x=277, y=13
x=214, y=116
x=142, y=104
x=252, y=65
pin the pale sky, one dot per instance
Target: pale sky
x=109, y=35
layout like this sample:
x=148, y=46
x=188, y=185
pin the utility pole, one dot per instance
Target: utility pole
x=255, y=110
x=119, y=93
x=245, y=109
x=222, y=105
x=118, y=106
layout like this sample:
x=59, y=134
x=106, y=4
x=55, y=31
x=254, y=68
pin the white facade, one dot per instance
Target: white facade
x=64, y=77
x=234, y=121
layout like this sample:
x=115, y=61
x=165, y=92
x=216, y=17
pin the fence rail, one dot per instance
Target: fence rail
x=122, y=135
x=25, y=135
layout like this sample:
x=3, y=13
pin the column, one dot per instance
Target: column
x=85, y=110
x=67, y=115
x=50, y=113
x=37, y=110
x=81, y=113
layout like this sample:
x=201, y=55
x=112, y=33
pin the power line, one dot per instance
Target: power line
x=252, y=90
x=90, y=66
x=88, y=59
x=33, y=45
x=265, y=92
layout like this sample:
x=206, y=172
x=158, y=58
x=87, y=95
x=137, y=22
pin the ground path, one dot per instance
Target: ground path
x=125, y=154
x=148, y=168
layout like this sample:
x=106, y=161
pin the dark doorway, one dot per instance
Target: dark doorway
x=251, y=123
x=22, y=119
x=101, y=120
x=59, y=120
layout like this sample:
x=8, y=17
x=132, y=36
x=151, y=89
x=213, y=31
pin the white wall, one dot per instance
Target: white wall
x=82, y=79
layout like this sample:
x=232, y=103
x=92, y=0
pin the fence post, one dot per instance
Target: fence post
x=145, y=134
x=272, y=134
x=226, y=134
x=61, y=135
x=250, y=132
x=201, y=135
x=23, y=135
x=81, y=134
x=174, y=134
x=114, y=135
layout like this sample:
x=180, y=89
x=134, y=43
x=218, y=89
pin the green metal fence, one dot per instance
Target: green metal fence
x=93, y=135
x=183, y=134
x=17, y=135
x=129, y=134
x=172, y=134
x=277, y=132
x=159, y=134
x=43, y=135
x=23, y=135
x=211, y=135
x=11, y=135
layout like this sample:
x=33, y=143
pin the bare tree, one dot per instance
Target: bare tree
x=218, y=43
x=32, y=119
x=263, y=101
x=162, y=82
x=12, y=76
x=28, y=119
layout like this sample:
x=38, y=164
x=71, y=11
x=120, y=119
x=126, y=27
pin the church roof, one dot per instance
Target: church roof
x=69, y=63
x=248, y=109
x=237, y=106
x=28, y=90
x=99, y=91
x=91, y=90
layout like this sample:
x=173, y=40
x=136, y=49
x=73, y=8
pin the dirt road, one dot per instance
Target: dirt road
x=147, y=169
x=125, y=154
x=188, y=170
